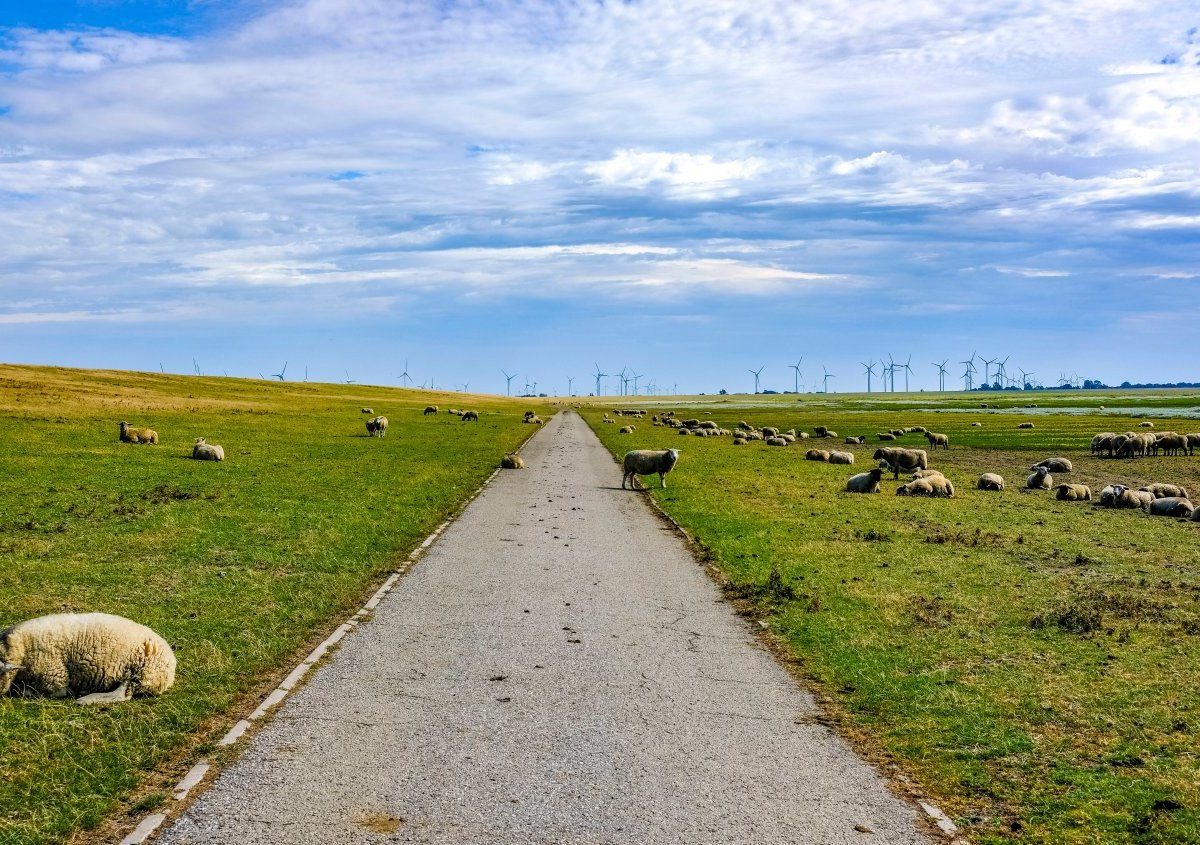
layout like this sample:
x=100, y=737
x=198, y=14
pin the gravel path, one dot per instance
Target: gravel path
x=557, y=668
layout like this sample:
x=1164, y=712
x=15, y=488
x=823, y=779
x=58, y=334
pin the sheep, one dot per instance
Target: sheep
x=1055, y=465
x=1162, y=491
x=647, y=462
x=1025, y=425
x=536, y=420
x=1171, y=443
x=739, y=441
x=925, y=473
x=865, y=482
x=203, y=451
x=936, y=440
x=841, y=458
x=1193, y=440
x=991, y=481
x=1120, y=496
x=529, y=414
x=454, y=412
x=790, y=438
x=1073, y=493
x=816, y=455
x=691, y=423
x=710, y=425
x=769, y=431
x=512, y=461
x=934, y=485
x=1040, y=480
x=1146, y=424
x=98, y=656
x=830, y=433
x=776, y=441
x=976, y=425
x=821, y=431
x=1170, y=506
x=137, y=435
x=377, y=426
x=372, y=410
x=626, y=429
x=469, y=416
x=886, y=435
x=1103, y=441
x=856, y=441
x=898, y=432
x=744, y=426
x=902, y=459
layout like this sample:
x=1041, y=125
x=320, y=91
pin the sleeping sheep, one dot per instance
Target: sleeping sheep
x=934, y=485
x=841, y=458
x=1169, y=506
x=856, y=441
x=137, y=435
x=898, y=459
x=991, y=481
x=936, y=440
x=1162, y=491
x=647, y=462
x=1055, y=465
x=100, y=657
x=512, y=461
x=1040, y=480
x=203, y=451
x=865, y=482
x=377, y=426
x=976, y=425
x=1073, y=493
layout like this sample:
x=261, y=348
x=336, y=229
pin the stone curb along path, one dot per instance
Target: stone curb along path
x=556, y=668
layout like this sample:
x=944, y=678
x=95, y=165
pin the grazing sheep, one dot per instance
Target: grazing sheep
x=1146, y=424
x=1073, y=493
x=1162, y=491
x=925, y=473
x=899, y=459
x=821, y=430
x=648, y=462
x=744, y=426
x=776, y=441
x=625, y=429
x=1040, y=480
x=1171, y=443
x=934, y=485
x=841, y=458
x=1025, y=425
x=1055, y=465
x=98, y=656
x=137, y=435
x=991, y=481
x=377, y=426
x=1103, y=441
x=1170, y=506
x=769, y=431
x=816, y=455
x=886, y=435
x=865, y=482
x=372, y=410
x=1193, y=440
x=203, y=451
x=936, y=440
x=469, y=416
x=512, y=461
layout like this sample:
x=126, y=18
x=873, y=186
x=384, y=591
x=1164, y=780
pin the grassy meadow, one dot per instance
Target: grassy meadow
x=242, y=565
x=1031, y=664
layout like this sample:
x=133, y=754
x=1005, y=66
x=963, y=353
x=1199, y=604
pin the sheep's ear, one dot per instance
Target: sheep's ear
x=150, y=647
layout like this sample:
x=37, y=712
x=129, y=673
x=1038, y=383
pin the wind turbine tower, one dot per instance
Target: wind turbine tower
x=279, y=375
x=756, y=372
x=796, y=367
x=941, y=374
x=599, y=375
x=508, y=388
x=405, y=378
x=869, y=369
x=828, y=376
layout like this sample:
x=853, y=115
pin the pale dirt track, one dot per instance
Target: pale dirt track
x=557, y=668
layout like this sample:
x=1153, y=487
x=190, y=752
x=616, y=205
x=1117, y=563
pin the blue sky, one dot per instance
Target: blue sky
x=686, y=189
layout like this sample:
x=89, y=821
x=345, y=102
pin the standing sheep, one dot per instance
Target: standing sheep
x=936, y=440
x=203, y=451
x=137, y=435
x=991, y=481
x=74, y=654
x=647, y=462
x=377, y=426
x=429, y=409
x=898, y=458
x=1193, y=440
x=865, y=482
x=469, y=416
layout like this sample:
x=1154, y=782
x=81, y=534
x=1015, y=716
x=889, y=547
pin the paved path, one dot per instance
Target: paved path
x=557, y=668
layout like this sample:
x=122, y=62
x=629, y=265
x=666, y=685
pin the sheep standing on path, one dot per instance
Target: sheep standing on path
x=98, y=656
x=377, y=426
x=203, y=451
x=137, y=435
x=647, y=462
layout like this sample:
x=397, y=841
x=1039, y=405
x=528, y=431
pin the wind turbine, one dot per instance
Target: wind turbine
x=196, y=366
x=306, y=373
x=828, y=376
x=987, y=363
x=279, y=375
x=1000, y=370
x=969, y=373
x=405, y=378
x=907, y=372
x=569, y=380
x=869, y=369
x=891, y=373
x=508, y=389
x=796, y=367
x=599, y=375
x=625, y=379
x=756, y=372
x=351, y=381
x=635, y=378
x=1025, y=378
x=465, y=386
x=941, y=373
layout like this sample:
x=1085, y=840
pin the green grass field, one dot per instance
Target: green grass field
x=241, y=565
x=1031, y=664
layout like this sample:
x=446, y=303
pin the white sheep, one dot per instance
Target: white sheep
x=1170, y=506
x=377, y=426
x=137, y=435
x=1162, y=491
x=841, y=458
x=1040, y=480
x=1055, y=465
x=98, y=656
x=469, y=416
x=625, y=429
x=930, y=485
x=865, y=482
x=1073, y=493
x=647, y=462
x=991, y=481
x=512, y=461
x=203, y=451
x=936, y=440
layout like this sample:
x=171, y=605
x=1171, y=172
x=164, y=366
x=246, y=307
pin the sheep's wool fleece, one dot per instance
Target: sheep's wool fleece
x=88, y=652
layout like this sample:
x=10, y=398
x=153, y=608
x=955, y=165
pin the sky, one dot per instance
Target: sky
x=685, y=190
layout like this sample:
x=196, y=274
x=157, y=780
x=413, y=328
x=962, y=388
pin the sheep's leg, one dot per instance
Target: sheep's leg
x=121, y=693
x=663, y=478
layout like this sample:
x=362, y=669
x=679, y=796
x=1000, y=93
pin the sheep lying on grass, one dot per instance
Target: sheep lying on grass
x=98, y=656
x=816, y=455
x=647, y=462
x=925, y=473
x=1170, y=506
x=886, y=435
x=371, y=410
x=512, y=461
x=1146, y=424
x=1162, y=491
x=1055, y=465
x=207, y=451
x=865, y=482
x=137, y=435
x=625, y=429
x=776, y=441
x=932, y=485
x=841, y=458
x=1025, y=425
x=377, y=426
x=991, y=481
x=1073, y=493
x=1040, y=480
x=1120, y=496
